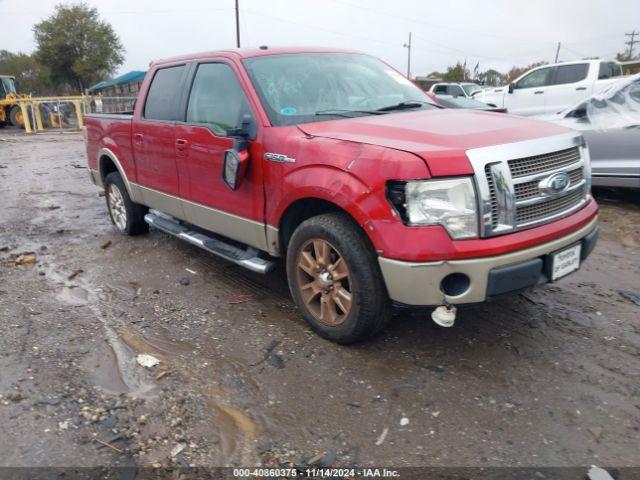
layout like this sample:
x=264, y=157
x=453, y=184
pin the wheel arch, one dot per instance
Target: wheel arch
x=108, y=162
x=307, y=207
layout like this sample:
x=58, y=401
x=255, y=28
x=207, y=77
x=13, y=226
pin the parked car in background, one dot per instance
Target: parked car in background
x=337, y=163
x=610, y=123
x=463, y=102
x=455, y=89
x=552, y=88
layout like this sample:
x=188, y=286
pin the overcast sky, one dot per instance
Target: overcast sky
x=496, y=33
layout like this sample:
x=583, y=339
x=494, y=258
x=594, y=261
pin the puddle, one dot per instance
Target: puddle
x=123, y=370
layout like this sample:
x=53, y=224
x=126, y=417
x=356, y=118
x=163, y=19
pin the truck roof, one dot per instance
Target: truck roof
x=251, y=52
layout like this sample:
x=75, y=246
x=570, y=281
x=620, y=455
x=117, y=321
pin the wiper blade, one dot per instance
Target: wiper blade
x=345, y=113
x=404, y=105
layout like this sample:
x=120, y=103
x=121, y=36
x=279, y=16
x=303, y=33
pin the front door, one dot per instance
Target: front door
x=528, y=97
x=216, y=104
x=153, y=139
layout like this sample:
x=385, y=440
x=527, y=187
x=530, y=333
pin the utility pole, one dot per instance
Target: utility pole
x=557, y=53
x=632, y=42
x=408, y=47
x=237, y=25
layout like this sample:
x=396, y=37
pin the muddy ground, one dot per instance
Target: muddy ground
x=547, y=378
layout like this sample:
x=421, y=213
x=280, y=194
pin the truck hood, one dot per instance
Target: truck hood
x=440, y=137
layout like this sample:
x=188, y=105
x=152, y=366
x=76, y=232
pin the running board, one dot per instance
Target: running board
x=247, y=258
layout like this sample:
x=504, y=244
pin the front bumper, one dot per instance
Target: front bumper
x=412, y=283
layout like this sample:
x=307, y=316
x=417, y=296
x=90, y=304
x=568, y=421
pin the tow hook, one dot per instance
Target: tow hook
x=444, y=315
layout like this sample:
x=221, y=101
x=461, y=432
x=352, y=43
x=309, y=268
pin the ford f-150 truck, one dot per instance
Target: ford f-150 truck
x=334, y=161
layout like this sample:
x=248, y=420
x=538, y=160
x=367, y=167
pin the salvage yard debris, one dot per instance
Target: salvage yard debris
x=147, y=361
x=74, y=274
x=25, y=260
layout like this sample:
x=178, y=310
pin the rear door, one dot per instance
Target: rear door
x=528, y=97
x=568, y=85
x=153, y=140
x=217, y=103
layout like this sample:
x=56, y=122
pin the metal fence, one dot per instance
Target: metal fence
x=39, y=114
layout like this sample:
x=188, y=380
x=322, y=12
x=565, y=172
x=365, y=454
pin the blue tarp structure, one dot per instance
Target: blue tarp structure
x=129, y=77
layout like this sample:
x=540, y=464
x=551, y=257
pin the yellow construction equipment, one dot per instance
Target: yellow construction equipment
x=16, y=109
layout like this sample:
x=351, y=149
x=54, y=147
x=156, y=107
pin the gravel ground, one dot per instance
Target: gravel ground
x=550, y=377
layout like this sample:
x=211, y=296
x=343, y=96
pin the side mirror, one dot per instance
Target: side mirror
x=236, y=159
x=512, y=87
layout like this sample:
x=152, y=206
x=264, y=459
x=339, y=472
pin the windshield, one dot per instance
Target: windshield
x=469, y=89
x=8, y=85
x=313, y=87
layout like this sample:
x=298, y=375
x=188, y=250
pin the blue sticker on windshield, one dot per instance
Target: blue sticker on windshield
x=288, y=111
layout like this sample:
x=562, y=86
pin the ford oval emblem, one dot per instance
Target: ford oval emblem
x=554, y=184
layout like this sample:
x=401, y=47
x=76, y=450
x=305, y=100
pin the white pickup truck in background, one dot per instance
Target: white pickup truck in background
x=552, y=88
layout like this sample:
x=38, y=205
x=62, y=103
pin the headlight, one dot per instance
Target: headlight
x=450, y=203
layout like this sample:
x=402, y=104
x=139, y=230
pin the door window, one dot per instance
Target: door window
x=217, y=100
x=455, y=90
x=570, y=73
x=164, y=89
x=537, y=78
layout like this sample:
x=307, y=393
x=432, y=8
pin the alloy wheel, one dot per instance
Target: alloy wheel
x=324, y=282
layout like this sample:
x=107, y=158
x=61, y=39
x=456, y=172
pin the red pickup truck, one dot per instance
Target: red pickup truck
x=374, y=196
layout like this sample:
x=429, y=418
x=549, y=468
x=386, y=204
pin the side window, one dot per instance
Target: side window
x=609, y=70
x=537, y=78
x=455, y=90
x=217, y=99
x=570, y=73
x=441, y=89
x=163, y=90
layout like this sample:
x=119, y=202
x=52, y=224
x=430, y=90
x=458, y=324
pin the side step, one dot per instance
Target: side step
x=247, y=258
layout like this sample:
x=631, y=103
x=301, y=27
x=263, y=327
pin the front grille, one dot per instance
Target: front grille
x=522, y=167
x=492, y=193
x=519, y=203
x=540, y=211
x=527, y=190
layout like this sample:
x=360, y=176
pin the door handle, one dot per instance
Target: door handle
x=181, y=144
x=138, y=138
x=538, y=92
x=581, y=88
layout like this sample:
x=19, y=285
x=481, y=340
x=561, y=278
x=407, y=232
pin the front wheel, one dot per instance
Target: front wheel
x=127, y=216
x=335, y=279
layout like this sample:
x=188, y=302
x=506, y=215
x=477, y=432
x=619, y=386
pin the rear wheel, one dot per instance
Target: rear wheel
x=127, y=216
x=335, y=279
x=15, y=117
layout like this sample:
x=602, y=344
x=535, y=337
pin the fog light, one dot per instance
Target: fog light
x=455, y=284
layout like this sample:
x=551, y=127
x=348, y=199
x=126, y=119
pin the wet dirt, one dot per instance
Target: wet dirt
x=550, y=377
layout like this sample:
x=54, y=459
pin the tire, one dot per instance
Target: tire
x=127, y=216
x=15, y=114
x=338, y=247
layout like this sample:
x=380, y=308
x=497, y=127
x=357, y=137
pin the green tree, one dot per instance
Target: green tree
x=491, y=78
x=31, y=77
x=77, y=47
x=456, y=73
x=515, y=72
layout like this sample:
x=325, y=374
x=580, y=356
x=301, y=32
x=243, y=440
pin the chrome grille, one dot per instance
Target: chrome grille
x=531, y=189
x=513, y=182
x=539, y=211
x=494, y=199
x=522, y=167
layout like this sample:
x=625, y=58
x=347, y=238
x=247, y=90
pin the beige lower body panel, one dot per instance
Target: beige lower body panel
x=415, y=283
x=223, y=223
